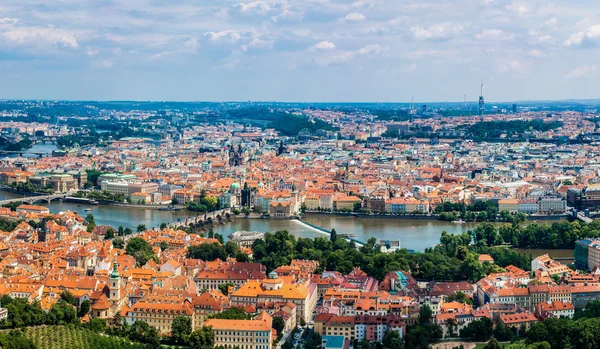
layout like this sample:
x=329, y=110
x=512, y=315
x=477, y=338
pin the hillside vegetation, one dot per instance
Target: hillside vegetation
x=292, y=125
x=71, y=337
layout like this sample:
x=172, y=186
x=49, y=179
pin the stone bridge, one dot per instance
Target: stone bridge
x=33, y=199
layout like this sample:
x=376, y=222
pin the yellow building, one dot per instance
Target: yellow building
x=160, y=311
x=275, y=289
x=346, y=203
x=510, y=205
x=312, y=202
x=140, y=198
x=244, y=334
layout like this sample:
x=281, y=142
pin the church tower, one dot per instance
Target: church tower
x=115, y=284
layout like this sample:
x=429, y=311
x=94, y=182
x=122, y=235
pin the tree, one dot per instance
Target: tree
x=388, y=340
x=181, y=328
x=242, y=257
x=224, y=288
x=207, y=252
x=141, y=228
x=278, y=324
x=164, y=245
x=234, y=313
x=16, y=340
x=97, y=325
x=333, y=235
x=140, y=331
x=84, y=308
x=493, y=344
x=203, y=338
x=140, y=249
x=479, y=330
x=110, y=234
x=69, y=298
x=231, y=248
x=425, y=314
x=460, y=297
x=118, y=243
x=90, y=220
x=219, y=238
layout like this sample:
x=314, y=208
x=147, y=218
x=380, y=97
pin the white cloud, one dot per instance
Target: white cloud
x=543, y=39
x=160, y=55
x=364, y=3
x=91, y=52
x=288, y=16
x=229, y=36
x=512, y=66
x=10, y=21
x=41, y=36
x=550, y=23
x=536, y=53
x=258, y=44
x=347, y=56
x=494, y=35
x=103, y=63
x=411, y=68
x=443, y=31
x=583, y=71
x=585, y=38
x=353, y=17
x=192, y=43
x=517, y=8
x=260, y=7
x=325, y=45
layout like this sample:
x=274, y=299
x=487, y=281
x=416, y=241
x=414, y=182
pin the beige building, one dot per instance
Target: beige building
x=275, y=289
x=160, y=311
x=312, y=202
x=346, y=203
x=243, y=334
x=510, y=205
x=141, y=198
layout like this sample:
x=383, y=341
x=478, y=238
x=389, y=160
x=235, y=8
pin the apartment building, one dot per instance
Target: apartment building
x=555, y=309
x=115, y=188
x=358, y=327
x=147, y=188
x=510, y=205
x=276, y=289
x=217, y=273
x=160, y=311
x=243, y=334
x=550, y=205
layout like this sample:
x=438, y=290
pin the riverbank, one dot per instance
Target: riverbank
x=423, y=217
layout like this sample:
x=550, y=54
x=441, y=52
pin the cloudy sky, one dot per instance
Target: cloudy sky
x=299, y=50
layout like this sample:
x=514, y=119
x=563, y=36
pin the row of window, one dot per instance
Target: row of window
x=242, y=333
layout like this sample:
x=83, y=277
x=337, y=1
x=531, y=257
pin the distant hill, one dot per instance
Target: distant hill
x=292, y=125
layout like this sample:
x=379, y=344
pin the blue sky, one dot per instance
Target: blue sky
x=299, y=50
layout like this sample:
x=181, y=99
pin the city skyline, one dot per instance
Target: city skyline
x=317, y=51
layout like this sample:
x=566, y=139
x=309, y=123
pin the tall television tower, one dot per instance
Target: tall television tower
x=481, y=102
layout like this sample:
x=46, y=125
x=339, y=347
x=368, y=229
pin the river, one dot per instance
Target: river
x=413, y=234
x=35, y=150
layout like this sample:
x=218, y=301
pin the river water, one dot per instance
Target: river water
x=413, y=234
x=35, y=150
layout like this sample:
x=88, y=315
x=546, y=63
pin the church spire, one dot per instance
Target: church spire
x=115, y=272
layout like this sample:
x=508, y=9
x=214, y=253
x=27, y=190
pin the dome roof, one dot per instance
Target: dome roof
x=235, y=185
